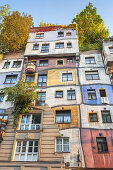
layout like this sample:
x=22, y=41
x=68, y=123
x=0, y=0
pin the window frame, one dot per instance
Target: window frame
x=39, y=37
x=111, y=51
x=68, y=33
x=24, y=150
x=101, y=94
x=89, y=92
x=43, y=64
x=35, y=45
x=67, y=77
x=42, y=82
x=59, y=45
x=62, y=35
x=30, y=75
x=60, y=60
x=109, y=115
x=92, y=76
x=102, y=143
x=1, y=96
x=93, y=113
x=69, y=59
x=69, y=46
x=60, y=91
x=90, y=60
x=46, y=48
x=63, y=114
x=11, y=79
x=62, y=144
x=41, y=102
x=18, y=65
x=4, y=67
x=71, y=95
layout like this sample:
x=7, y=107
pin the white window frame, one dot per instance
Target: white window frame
x=26, y=153
x=62, y=144
x=29, y=124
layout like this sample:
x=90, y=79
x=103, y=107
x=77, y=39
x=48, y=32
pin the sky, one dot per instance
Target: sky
x=61, y=11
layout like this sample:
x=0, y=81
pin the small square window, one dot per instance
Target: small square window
x=69, y=45
x=30, y=78
x=11, y=79
x=1, y=97
x=45, y=48
x=43, y=63
x=91, y=94
x=71, y=95
x=60, y=34
x=59, y=62
x=59, y=94
x=40, y=35
x=102, y=144
x=67, y=77
x=62, y=144
x=6, y=65
x=69, y=60
x=93, y=117
x=16, y=64
x=68, y=33
x=106, y=117
x=102, y=92
x=35, y=46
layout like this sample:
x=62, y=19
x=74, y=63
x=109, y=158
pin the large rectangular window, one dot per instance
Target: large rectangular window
x=42, y=80
x=30, y=78
x=89, y=60
x=67, y=77
x=30, y=122
x=43, y=63
x=16, y=64
x=92, y=75
x=102, y=144
x=27, y=150
x=59, y=45
x=63, y=116
x=62, y=145
x=106, y=117
x=41, y=98
x=71, y=95
x=45, y=48
x=91, y=94
x=11, y=79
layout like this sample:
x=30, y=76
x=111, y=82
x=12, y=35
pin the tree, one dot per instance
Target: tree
x=21, y=96
x=3, y=12
x=91, y=27
x=45, y=24
x=15, y=32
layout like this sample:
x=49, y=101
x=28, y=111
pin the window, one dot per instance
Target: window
x=93, y=117
x=40, y=35
x=59, y=62
x=59, y=45
x=71, y=95
x=42, y=80
x=41, y=98
x=67, y=77
x=92, y=75
x=106, y=117
x=102, y=144
x=30, y=122
x=68, y=33
x=91, y=94
x=60, y=34
x=45, y=48
x=1, y=97
x=59, y=94
x=69, y=45
x=43, y=62
x=3, y=122
x=111, y=50
x=89, y=60
x=7, y=64
x=62, y=144
x=26, y=151
x=35, y=46
x=102, y=92
x=11, y=79
x=30, y=78
x=69, y=60
x=16, y=64
x=63, y=116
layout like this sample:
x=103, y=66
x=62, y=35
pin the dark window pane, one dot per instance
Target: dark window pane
x=59, y=93
x=102, y=93
x=16, y=64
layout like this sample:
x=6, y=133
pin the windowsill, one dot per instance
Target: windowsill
x=5, y=68
x=71, y=99
x=103, y=152
x=16, y=67
x=69, y=47
x=39, y=38
x=63, y=123
x=92, y=79
x=92, y=99
x=62, y=152
x=58, y=97
x=107, y=122
x=60, y=36
x=67, y=80
x=29, y=131
x=43, y=66
x=59, y=48
x=93, y=122
x=44, y=51
x=90, y=63
x=35, y=49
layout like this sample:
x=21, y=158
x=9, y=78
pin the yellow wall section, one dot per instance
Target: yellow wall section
x=54, y=77
x=35, y=81
x=74, y=116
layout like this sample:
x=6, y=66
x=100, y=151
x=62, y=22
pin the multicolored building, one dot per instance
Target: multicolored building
x=70, y=124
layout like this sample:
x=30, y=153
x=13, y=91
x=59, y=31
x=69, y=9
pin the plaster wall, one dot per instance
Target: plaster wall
x=103, y=78
x=107, y=56
x=86, y=109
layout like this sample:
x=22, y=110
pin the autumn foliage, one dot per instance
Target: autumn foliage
x=15, y=31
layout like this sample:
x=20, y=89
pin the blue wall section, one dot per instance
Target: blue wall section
x=3, y=76
x=109, y=90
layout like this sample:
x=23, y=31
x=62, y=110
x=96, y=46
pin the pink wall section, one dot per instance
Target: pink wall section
x=92, y=157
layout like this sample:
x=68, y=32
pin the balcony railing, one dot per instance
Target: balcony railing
x=30, y=68
x=30, y=127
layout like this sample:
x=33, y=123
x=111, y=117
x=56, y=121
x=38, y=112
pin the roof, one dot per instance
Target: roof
x=52, y=28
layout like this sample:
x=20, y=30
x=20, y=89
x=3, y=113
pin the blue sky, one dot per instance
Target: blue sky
x=61, y=11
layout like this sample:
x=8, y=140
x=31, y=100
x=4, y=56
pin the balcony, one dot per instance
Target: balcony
x=104, y=100
x=30, y=68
